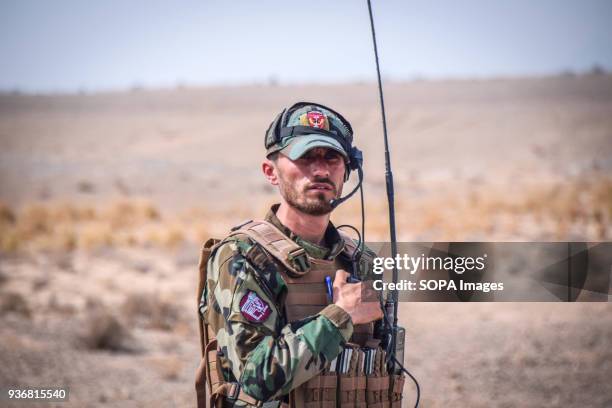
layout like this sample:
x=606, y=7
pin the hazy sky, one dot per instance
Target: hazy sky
x=62, y=45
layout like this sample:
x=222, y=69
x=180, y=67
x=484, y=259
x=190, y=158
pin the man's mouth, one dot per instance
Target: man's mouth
x=321, y=187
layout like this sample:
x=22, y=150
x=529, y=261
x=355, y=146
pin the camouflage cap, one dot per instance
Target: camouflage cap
x=307, y=125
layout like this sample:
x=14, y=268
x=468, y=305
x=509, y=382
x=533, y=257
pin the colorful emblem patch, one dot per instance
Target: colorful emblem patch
x=254, y=308
x=315, y=119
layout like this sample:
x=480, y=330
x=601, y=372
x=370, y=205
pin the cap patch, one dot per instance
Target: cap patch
x=315, y=119
x=254, y=308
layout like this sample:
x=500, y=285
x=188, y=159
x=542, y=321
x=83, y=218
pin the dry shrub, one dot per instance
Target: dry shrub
x=173, y=237
x=61, y=307
x=129, y=240
x=34, y=220
x=104, y=331
x=65, y=212
x=194, y=214
x=9, y=240
x=578, y=202
x=86, y=187
x=66, y=239
x=150, y=310
x=96, y=236
x=66, y=227
x=153, y=236
x=149, y=212
x=602, y=197
x=169, y=237
x=169, y=367
x=13, y=302
x=40, y=282
x=7, y=215
x=582, y=205
x=129, y=214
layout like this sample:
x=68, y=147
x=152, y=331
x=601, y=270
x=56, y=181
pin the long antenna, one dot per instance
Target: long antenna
x=392, y=299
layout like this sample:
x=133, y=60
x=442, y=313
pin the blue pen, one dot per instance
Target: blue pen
x=330, y=289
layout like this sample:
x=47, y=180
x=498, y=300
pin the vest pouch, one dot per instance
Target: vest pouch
x=396, y=386
x=349, y=380
x=361, y=383
x=320, y=391
x=377, y=382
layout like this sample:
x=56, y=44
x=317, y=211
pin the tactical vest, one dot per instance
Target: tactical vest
x=306, y=296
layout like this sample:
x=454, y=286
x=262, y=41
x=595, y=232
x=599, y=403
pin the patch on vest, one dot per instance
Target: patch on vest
x=254, y=308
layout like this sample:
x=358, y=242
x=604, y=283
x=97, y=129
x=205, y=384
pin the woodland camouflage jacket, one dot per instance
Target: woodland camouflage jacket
x=244, y=303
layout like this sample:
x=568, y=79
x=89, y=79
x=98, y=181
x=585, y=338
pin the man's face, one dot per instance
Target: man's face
x=310, y=182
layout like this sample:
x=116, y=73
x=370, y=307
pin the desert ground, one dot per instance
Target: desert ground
x=106, y=198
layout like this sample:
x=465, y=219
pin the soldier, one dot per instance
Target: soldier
x=270, y=323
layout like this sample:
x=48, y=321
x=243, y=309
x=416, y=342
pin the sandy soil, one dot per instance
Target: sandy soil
x=114, y=319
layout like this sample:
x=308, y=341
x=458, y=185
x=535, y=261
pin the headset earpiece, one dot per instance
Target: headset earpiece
x=272, y=134
x=355, y=158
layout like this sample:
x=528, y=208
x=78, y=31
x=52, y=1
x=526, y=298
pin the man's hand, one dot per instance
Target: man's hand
x=349, y=297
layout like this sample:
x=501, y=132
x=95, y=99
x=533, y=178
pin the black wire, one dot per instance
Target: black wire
x=362, y=218
x=356, y=257
x=404, y=369
x=354, y=229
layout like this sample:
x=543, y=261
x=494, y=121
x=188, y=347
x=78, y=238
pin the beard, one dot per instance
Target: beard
x=315, y=204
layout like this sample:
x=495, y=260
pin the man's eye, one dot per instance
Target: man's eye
x=332, y=156
x=305, y=159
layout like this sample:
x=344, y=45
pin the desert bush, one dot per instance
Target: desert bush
x=128, y=214
x=9, y=240
x=173, y=237
x=169, y=237
x=150, y=310
x=34, y=220
x=169, y=367
x=54, y=305
x=66, y=239
x=13, y=302
x=104, y=331
x=86, y=187
x=7, y=215
x=96, y=235
x=63, y=213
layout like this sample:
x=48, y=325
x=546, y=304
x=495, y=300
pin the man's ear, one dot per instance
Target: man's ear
x=270, y=172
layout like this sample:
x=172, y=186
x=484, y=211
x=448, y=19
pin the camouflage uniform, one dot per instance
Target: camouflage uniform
x=272, y=356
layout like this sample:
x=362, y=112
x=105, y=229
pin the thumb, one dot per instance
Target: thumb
x=341, y=277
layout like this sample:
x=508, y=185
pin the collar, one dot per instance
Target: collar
x=334, y=244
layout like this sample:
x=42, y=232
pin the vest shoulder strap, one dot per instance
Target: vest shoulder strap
x=281, y=247
x=207, y=249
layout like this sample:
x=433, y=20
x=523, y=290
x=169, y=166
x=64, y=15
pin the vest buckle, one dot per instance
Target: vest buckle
x=233, y=392
x=298, y=259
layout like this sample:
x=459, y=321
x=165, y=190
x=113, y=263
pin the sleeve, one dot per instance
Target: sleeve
x=269, y=360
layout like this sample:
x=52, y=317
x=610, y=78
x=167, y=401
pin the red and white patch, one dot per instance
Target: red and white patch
x=254, y=308
x=316, y=119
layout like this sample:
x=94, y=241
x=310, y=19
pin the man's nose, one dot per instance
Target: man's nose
x=320, y=167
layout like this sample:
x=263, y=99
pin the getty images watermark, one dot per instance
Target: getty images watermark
x=495, y=271
x=411, y=265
